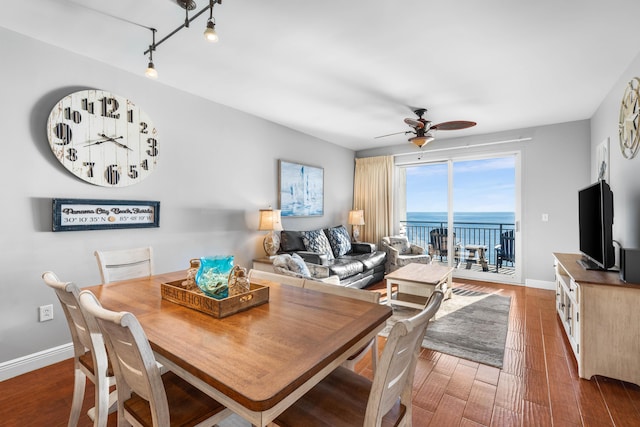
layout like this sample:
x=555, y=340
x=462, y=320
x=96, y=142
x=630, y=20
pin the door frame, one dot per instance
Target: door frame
x=517, y=277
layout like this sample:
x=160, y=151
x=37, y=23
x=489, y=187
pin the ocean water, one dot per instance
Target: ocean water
x=463, y=218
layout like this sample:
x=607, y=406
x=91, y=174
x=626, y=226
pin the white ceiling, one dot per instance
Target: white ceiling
x=347, y=71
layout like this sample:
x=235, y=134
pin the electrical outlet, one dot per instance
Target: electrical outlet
x=46, y=312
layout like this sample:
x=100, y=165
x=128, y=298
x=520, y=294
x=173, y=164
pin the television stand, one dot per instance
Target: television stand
x=600, y=317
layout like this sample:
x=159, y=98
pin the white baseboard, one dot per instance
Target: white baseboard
x=540, y=284
x=31, y=362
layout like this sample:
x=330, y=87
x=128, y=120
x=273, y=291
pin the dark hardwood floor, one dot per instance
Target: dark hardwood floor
x=538, y=385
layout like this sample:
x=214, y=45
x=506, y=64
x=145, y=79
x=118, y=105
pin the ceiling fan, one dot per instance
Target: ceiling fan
x=424, y=131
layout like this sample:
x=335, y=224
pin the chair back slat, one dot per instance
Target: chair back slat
x=125, y=264
x=136, y=368
x=81, y=327
x=394, y=376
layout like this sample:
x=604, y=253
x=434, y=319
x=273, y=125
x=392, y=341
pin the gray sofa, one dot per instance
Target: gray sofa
x=357, y=265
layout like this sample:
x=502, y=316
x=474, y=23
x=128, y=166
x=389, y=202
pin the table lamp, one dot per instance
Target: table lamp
x=356, y=219
x=270, y=221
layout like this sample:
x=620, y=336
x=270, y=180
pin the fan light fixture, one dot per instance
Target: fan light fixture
x=422, y=140
x=209, y=33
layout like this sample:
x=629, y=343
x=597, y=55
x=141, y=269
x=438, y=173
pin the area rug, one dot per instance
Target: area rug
x=471, y=325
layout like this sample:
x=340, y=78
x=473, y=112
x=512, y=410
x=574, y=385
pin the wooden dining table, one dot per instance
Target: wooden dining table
x=256, y=362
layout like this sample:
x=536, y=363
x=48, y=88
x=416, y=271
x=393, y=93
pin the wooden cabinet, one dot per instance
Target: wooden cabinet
x=601, y=318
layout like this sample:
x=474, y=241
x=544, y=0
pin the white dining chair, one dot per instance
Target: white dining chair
x=145, y=396
x=346, y=399
x=89, y=355
x=362, y=295
x=125, y=264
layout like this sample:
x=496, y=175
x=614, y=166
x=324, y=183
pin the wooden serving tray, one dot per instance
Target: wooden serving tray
x=258, y=294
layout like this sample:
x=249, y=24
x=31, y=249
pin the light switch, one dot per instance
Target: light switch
x=545, y=217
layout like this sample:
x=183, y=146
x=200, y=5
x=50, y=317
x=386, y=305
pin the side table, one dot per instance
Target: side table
x=263, y=264
x=480, y=259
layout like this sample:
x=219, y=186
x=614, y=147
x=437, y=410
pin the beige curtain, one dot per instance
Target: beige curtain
x=373, y=193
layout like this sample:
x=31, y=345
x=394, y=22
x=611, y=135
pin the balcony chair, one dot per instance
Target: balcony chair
x=362, y=295
x=145, y=397
x=401, y=252
x=439, y=245
x=345, y=398
x=125, y=264
x=506, y=250
x=89, y=355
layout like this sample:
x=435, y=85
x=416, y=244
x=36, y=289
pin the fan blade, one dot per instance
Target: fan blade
x=396, y=133
x=414, y=123
x=454, y=125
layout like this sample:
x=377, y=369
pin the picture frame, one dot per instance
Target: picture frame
x=301, y=189
x=602, y=160
x=93, y=214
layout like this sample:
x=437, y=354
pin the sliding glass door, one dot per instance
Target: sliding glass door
x=465, y=211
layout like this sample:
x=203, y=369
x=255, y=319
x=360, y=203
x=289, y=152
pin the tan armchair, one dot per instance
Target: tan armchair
x=401, y=252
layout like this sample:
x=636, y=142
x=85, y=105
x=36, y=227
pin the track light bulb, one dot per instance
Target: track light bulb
x=210, y=33
x=151, y=71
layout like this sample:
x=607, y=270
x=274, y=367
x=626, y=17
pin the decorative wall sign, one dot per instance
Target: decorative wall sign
x=301, y=190
x=88, y=214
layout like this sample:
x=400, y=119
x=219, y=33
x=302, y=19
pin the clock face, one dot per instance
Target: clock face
x=103, y=138
x=629, y=124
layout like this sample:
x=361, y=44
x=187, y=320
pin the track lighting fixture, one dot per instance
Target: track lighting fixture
x=151, y=71
x=209, y=33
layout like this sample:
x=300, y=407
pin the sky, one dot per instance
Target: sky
x=486, y=185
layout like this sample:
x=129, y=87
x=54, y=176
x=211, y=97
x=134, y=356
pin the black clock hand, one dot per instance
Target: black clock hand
x=116, y=142
x=96, y=143
x=122, y=145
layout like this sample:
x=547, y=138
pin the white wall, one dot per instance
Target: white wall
x=555, y=165
x=218, y=166
x=624, y=173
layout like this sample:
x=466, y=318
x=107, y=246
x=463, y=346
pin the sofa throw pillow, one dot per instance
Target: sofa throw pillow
x=297, y=265
x=291, y=241
x=339, y=240
x=316, y=241
x=401, y=244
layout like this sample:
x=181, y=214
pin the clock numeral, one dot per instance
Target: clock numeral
x=153, y=147
x=89, y=166
x=110, y=107
x=145, y=164
x=87, y=106
x=63, y=133
x=72, y=154
x=70, y=114
x=112, y=174
x=130, y=116
x=143, y=127
x=133, y=173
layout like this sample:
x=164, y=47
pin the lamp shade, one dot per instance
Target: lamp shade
x=270, y=220
x=421, y=141
x=356, y=217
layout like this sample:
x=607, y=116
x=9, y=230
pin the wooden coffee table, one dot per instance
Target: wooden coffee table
x=416, y=282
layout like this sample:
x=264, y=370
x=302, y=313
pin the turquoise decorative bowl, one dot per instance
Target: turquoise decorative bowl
x=213, y=275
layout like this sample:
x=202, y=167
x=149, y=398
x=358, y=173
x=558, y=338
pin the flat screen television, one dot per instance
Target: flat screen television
x=595, y=222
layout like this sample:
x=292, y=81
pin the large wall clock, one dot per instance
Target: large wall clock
x=629, y=122
x=103, y=138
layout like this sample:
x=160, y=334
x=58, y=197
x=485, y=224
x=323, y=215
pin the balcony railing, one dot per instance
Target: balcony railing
x=465, y=233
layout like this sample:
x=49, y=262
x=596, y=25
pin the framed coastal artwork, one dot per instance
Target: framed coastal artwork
x=301, y=189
